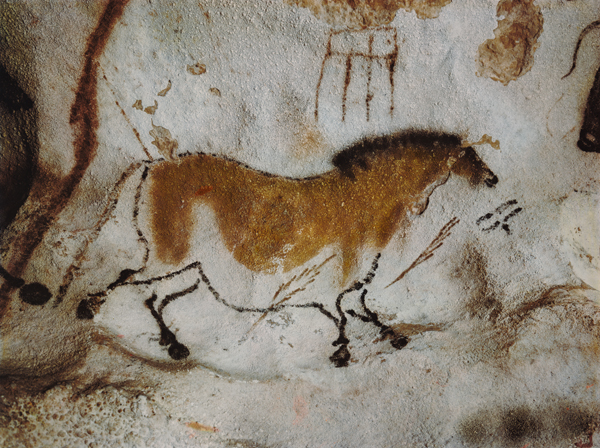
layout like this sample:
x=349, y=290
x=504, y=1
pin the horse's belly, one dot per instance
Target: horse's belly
x=243, y=287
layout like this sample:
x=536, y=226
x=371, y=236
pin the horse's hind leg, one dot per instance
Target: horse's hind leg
x=341, y=357
x=397, y=341
x=176, y=349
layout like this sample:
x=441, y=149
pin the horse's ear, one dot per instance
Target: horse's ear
x=471, y=167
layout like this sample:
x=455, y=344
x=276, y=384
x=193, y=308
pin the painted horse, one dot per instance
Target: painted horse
x=273, y=224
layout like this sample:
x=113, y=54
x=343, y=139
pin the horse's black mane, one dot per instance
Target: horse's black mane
x=358, y=154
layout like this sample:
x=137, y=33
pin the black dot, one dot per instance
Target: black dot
x=35, y=294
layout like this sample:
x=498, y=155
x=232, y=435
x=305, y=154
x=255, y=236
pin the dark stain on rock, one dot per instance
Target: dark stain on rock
x=474, y=430
x=19, y=154
x=84, y=121
x=554, y=424
x=510, y=54
x=589, y=136
x=519, y=423
x=164, y=91
x=196, y=69
x=573, y=422
x=483, y=303
x=151, y=110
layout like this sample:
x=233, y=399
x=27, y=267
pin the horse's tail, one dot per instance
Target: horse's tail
x=111, y=204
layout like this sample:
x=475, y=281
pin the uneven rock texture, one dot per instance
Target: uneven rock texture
x=273, y=223
x=352, y=14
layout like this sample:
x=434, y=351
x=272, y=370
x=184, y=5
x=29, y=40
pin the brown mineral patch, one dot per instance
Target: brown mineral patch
x=510, y=54
x=166, y=144
x=309, y=141
x=164, y=91
x=411, y=329
x=359, y=14
x=201, y=427
x=196, y=69
x=483, y=140
x=270, y=221
x=151, y=110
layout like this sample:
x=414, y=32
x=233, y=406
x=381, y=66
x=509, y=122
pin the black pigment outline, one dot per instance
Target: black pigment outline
x=178, y=351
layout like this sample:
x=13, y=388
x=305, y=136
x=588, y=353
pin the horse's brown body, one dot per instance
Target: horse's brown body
x=268, y=221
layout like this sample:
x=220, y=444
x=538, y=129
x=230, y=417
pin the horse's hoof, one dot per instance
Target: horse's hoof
x=341, y=357
x=399, y=342
x=178, y=351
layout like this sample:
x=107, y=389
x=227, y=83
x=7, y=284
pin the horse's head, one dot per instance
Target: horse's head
x=422, y=157
x=467, y=164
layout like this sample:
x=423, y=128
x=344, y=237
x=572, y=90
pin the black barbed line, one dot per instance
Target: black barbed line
x=435, y=244
x=498, y=209
x=512, y=214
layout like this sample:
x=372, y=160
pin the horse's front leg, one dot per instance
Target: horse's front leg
x=341, y=357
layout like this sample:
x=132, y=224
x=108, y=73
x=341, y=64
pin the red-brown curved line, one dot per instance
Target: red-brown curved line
x=84, y=121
